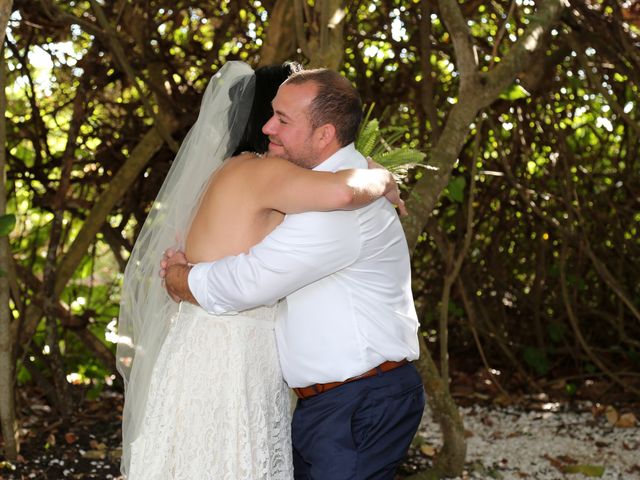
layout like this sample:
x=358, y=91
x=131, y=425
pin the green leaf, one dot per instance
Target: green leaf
x=587, y=470
x=536, y=359
x=94, y=393
x=368, y=138
x=514, y=92
x=455, y=310
x=455, y=189
x=556, y=331
x=633, y=356
x=7, y=222
x=23, y=376
x=400, y=158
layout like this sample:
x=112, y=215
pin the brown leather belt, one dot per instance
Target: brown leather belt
x=312, y=390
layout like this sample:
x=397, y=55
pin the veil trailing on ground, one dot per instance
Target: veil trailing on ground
x=145, y=307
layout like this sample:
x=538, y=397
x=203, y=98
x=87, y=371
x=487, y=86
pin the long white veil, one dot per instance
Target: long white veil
x=145, y=307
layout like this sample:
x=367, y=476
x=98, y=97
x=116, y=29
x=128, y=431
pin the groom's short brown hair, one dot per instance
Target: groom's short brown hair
x=337, y=102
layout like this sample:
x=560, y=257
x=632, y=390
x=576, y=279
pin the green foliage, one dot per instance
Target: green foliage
x=557, y=157
x=7, y=224
x=536, y=359
x=514, y=92
x=633, y=355
x=455, y=310
x=381, y=144
x=455, y=189
x=556, y=331
x=22, y=375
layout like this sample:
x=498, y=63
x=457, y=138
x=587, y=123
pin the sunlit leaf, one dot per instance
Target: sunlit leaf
x=455, y=189
x=7, y=223
x=514, y=92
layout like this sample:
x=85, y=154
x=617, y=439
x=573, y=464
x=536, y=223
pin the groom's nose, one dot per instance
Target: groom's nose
x=268, y=128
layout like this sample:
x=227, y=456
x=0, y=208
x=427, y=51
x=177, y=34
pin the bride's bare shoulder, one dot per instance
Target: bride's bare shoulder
x=258, y=162
x=242, y=157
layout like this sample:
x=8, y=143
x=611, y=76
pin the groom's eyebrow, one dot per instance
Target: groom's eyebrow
x=281, y=114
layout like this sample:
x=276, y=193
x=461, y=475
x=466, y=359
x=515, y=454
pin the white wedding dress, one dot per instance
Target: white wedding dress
x=218, y=407
x=204, y=394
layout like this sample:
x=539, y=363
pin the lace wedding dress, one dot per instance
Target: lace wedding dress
x=204, y=395
x=218, y=407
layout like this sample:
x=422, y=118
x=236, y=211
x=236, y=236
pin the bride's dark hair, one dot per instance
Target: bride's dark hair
x=267, y=79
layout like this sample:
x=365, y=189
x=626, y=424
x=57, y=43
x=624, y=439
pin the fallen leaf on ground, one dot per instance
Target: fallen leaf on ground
x=70, y=437
x=612, y=415
x=97, y=445
x=626, y=420
x=586, y=470
x=95, y=454
x=427, y=450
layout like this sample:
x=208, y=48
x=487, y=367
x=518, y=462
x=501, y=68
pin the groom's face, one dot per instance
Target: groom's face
x=291, y=135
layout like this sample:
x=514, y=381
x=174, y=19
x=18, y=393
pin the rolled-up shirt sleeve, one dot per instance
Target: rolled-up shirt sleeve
x=302, y=249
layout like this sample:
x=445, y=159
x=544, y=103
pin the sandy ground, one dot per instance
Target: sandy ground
x=535, y=440
x=546, y=443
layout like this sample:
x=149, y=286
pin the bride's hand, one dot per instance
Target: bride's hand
x=171, y=257
x=393, y=192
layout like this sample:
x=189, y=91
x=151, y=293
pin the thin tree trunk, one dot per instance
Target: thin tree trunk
x=427, y=98
x=5, y=13
x=326, y=44
x=450, y=460
x=7, y=359
x=453, y=264
x=280, y=40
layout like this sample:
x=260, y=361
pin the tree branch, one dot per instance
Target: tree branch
x=141, y=154
x=280, y=41
x=121, y=59
x=520, y=55
x=427, y=84
x=466, y=58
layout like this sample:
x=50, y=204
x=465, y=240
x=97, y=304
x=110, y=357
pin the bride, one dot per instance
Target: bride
x=204, y=396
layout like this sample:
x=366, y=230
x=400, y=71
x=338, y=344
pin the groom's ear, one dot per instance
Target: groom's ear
x=326, y=134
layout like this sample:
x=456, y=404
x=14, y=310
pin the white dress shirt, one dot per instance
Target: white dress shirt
x=347, y=281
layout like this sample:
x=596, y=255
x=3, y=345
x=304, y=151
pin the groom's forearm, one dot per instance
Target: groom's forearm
x=177, y=283
x=301, y=250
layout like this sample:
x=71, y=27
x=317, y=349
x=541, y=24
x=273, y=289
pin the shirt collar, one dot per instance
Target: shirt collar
x=346, y=157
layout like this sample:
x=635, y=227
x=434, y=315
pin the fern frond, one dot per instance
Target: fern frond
x=379, y=143
x=400, y=158
x=392, y=134
x=368, y=138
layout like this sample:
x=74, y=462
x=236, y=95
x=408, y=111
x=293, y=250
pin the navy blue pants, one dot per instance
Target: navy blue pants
x=359, y=430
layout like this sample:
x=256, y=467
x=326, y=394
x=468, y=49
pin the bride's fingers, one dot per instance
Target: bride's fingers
x=402, y=208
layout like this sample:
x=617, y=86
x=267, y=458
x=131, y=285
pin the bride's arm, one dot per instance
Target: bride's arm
x=292, y=189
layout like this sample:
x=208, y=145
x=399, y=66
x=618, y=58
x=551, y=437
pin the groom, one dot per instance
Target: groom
x=348, y=329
